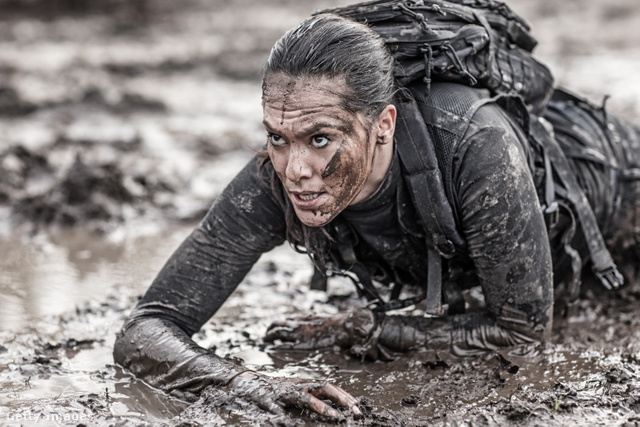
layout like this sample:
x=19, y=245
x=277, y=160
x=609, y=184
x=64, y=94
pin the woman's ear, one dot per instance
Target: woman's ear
x=386, y=124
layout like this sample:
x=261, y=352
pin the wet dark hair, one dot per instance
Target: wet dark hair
x=329, y=46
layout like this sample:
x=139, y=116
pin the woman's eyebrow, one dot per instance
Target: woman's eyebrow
x=320, y=126
x=316, y=127
x=266, y=126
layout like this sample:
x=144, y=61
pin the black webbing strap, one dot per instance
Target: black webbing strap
x=426, y=186
x=434, y=284
x=423, y=177
x=603, y=265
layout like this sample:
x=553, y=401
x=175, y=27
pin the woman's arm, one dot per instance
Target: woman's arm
x=501, y=220
x=155, y=343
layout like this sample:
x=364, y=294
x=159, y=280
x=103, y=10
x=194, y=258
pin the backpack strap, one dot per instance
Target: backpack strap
x=603, y=265
x=424, y=180
x=447, y=113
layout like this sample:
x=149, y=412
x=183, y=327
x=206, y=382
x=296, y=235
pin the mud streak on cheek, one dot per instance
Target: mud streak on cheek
x=333, y=164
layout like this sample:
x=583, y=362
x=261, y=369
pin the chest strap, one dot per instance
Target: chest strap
x=349, y=266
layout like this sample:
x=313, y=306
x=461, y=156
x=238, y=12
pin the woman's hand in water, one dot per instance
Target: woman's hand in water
x=273, y=394
x=310, y=332
x=358, y=331
x=313, y=332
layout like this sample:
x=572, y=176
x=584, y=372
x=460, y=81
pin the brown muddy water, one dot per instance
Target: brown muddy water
x=119, y=124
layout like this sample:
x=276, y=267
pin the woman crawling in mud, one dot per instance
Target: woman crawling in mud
x=505, y=209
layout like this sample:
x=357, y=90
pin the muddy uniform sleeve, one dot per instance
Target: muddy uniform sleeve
x=155, y=343
x=507, y=241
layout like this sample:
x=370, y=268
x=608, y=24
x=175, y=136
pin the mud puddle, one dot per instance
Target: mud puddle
x=62, y=297
x=55, y=362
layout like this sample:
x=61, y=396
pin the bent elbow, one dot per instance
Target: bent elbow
x=525, y=327
x=123, y=348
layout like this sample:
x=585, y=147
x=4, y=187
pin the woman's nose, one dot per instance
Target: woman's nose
x=298, y=166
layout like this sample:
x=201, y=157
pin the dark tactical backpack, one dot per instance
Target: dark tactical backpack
x=479, y=43
x=474, y=42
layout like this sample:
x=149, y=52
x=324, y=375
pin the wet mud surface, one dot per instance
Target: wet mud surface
x=589, y=373
x=119, y=126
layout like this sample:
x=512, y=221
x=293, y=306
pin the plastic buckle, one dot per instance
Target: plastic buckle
x=551, y=215
x=439, y=311
x=610, y=278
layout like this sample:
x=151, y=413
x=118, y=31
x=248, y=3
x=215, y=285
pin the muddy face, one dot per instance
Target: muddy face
x=325, y=156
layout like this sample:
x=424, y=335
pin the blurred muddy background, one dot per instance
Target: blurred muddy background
x=121, y=121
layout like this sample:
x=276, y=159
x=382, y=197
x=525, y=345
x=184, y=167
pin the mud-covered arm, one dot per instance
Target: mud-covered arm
x=155, y=343
x=508, y=244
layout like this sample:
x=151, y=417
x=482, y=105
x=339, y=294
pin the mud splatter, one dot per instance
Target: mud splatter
x=285, y=96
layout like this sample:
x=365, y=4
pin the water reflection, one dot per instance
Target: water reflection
x=52, y=290
x=53, y=273
x=155, y=405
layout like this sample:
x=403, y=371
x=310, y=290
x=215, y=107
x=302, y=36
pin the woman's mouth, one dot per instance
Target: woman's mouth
x=308, y=197
x=306, y=200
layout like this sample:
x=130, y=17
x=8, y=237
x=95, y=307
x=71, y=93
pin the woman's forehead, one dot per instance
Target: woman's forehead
x=281, y=88
x=307, y=104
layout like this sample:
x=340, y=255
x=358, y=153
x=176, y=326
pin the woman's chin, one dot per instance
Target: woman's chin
x=313, y=218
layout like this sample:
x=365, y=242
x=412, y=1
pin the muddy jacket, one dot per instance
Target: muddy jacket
x=507, y=253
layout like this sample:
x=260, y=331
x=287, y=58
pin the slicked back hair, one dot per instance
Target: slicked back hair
x=335, y=47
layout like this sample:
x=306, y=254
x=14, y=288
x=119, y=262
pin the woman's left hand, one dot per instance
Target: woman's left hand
x=346, y=330
x=310, y=332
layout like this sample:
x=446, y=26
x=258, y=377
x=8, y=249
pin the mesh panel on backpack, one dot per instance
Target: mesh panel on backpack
x=447, y=97
x=448, y=100
x=444, y=143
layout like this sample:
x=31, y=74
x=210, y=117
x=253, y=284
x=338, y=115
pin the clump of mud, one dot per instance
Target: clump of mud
x=103, y=123
x=67, y=186
x=83, y=193
x=12, y=105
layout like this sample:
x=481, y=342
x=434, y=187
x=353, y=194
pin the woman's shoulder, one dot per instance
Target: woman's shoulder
x=252, y=193
x=256, y=176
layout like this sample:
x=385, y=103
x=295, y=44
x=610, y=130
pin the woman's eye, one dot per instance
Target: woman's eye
x=320, y=141
x=275, y=140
